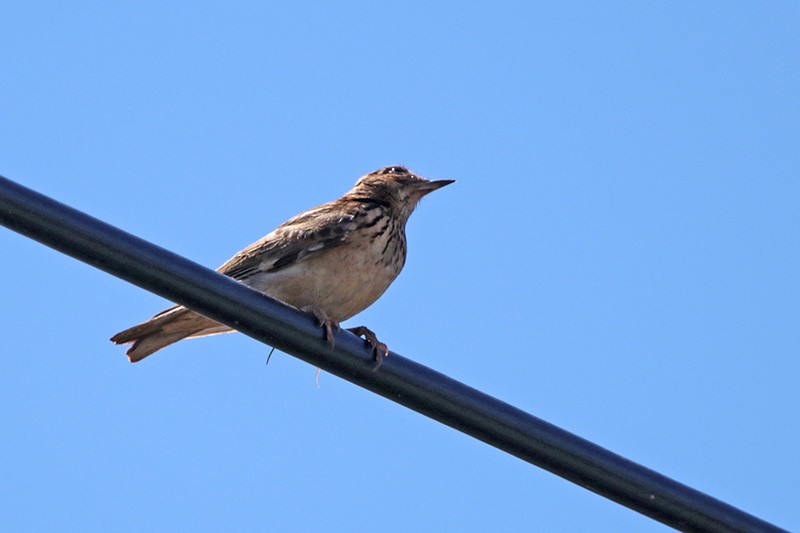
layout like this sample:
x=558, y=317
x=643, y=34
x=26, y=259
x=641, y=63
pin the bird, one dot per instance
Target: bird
x=332, y=261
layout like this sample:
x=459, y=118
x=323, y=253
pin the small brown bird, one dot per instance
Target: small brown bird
x=333, y=261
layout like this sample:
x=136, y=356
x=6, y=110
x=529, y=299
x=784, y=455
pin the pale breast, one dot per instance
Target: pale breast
x=346, y=279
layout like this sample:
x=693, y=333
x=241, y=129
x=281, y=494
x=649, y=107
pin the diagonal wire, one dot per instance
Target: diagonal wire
x=399, y=379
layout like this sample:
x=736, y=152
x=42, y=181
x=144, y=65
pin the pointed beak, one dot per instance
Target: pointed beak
x=431, y=185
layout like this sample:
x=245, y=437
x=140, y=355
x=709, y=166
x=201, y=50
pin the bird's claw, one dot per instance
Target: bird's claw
x=380, y=350
x=330, y=325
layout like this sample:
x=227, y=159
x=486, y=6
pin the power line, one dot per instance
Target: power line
x=398, y=379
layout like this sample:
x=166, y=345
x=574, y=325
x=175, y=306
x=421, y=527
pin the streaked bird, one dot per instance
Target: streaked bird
x=333, y=261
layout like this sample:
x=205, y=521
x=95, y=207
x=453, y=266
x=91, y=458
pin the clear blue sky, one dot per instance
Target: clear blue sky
x=619, y=256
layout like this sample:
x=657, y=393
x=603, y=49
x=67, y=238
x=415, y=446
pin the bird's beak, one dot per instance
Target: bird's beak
x=425, y=187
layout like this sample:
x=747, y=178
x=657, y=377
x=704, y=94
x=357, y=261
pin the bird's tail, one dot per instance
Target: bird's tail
x=165, y=328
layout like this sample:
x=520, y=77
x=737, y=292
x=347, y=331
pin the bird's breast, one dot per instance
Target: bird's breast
x=346, y=279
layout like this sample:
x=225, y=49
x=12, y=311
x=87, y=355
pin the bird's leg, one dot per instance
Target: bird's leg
x=325, y=321
x=379, y=349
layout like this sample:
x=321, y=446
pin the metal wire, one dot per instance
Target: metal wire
x=398, y=379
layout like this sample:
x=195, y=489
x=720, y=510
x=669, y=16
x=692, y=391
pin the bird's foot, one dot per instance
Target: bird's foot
x=379, y=349
x=325, y=321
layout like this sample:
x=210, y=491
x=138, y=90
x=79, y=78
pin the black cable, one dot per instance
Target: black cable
x=399, y=379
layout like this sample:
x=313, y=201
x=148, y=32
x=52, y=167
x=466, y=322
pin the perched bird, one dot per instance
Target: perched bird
x=333, y=261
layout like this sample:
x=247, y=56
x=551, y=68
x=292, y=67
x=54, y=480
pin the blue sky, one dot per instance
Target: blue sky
x=619, y=256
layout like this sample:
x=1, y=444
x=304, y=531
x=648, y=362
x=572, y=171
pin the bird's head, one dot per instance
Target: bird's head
x=397, y=187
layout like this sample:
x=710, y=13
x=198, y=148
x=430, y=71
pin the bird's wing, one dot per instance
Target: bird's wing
x=299, y=238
